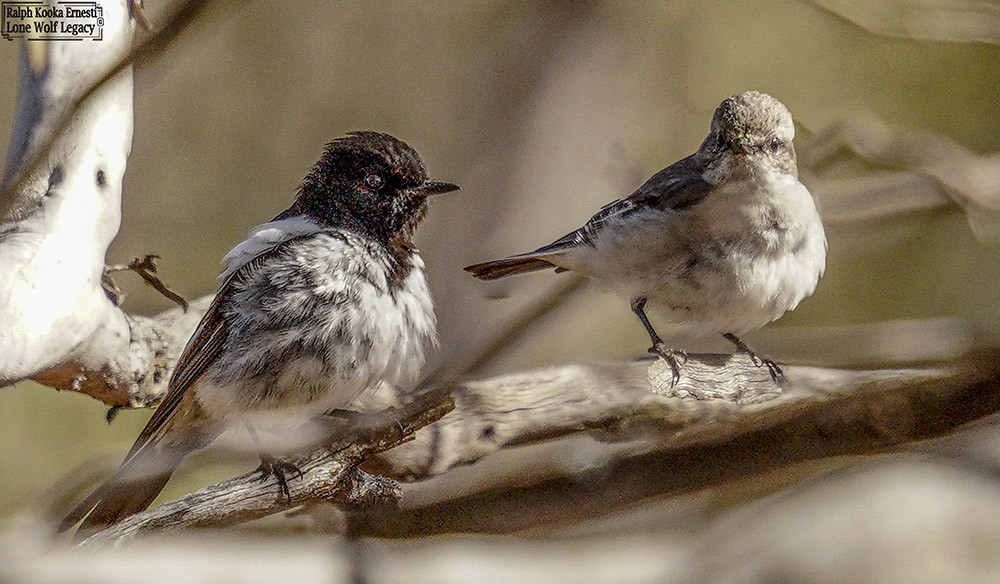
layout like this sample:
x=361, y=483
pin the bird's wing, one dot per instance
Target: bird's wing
x=210, y=336
x=674, y=188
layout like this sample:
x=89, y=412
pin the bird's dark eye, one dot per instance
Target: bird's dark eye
x=373, y=181
x=776, y=144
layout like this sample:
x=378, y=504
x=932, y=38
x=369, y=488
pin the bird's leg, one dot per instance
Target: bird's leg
x=776, y=374
x=673, y=357
x=279, y=469
x=273, y=466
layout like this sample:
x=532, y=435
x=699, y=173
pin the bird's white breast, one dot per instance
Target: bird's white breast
x=316, y=325
x=734, y=262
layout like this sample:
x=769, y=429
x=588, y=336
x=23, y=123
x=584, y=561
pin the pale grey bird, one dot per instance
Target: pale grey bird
x=725, y=240
x=320, y=304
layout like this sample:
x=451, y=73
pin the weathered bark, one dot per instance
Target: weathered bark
x=60, y=208
x=327, y=475
x=662, y=440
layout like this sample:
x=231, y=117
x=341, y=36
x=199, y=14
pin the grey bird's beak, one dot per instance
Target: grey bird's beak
x=434, y=187
x=739, y=147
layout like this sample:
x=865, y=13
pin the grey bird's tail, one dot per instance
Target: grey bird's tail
x=130, y=489
x=519, y=264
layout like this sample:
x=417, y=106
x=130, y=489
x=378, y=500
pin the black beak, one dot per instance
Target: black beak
x=740, y=147
x=434, y=187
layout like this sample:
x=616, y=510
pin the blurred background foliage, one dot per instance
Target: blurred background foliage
x=543, y=111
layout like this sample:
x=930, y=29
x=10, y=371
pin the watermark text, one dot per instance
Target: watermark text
x=35, y=20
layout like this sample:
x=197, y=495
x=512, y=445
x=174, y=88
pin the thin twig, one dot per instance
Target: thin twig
x=146, y=268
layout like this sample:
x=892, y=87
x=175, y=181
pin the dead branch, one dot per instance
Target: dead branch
x=925, y=163
x=622, y=400
x=945, y=20
x=661, y=440
x=920, y=516
x=682, y=444
x=146, y=268
x=329, y=475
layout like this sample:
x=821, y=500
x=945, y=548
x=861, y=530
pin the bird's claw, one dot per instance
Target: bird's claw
x=777, y=375
x=673, y=357
x=280, y=470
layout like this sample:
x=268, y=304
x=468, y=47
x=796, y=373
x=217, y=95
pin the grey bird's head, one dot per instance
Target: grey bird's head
x=371, y=183
x=751, y=136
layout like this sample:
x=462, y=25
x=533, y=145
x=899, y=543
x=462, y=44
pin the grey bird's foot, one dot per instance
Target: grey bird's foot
x=673, y=357
x=777, y=375
x=279, y=469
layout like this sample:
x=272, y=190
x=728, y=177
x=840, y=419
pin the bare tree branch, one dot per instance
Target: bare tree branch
x=892, y=519
x=146, y=268
x=686, y=444
x=967, y=179
x=660, y=440
x=623, y=399
x=944, y=20
x=329, y=475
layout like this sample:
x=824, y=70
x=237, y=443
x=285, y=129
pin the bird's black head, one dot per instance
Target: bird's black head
x=370, y=183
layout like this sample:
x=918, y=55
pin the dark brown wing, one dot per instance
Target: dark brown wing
x=203, y=348
x=201, y=351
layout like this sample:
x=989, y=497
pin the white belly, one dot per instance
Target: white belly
x=716, y=266
x=341, y=336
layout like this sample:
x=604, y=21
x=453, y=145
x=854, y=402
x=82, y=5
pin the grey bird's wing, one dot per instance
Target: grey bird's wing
x=676, y=187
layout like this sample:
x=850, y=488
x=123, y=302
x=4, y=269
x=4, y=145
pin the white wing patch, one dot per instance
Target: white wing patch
x=263, y=238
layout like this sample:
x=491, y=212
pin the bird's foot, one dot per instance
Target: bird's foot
x=777, y=375
x=673, y=357
x=279, y=469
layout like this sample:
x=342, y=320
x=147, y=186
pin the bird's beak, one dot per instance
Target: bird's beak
x=434, y=187
x=740, y=147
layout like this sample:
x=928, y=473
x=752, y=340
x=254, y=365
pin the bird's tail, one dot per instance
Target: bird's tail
x=130, y=489
x=519, y=264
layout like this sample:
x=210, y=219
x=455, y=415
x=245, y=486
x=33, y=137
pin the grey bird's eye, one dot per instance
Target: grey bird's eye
x=373, y=181
x=776, y=144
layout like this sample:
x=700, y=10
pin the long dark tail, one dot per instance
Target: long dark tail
x=130, y=489
x=508, y=267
